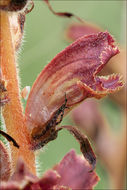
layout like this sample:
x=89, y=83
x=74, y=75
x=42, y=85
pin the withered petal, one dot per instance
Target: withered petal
x=85, y=146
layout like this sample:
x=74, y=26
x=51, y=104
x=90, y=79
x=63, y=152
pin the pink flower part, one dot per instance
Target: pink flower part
x=23, y=179
x=72, y=72
x=74, y=172
x=71, y=173
x=77, y=30
x=5, y=164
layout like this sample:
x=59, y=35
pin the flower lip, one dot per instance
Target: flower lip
x=107, y=52
x=105, y=84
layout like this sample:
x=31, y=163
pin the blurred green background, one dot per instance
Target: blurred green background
x=43, y=39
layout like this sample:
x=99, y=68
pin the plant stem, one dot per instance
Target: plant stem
x=13, y=112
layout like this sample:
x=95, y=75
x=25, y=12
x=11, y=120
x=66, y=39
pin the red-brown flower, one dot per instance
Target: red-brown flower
x=66, y=81
x=72, y=73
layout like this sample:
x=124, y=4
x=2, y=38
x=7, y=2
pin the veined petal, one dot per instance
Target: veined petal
x=76, y=30
x=72, y=72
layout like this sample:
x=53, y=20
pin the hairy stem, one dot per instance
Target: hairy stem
x=12, y=112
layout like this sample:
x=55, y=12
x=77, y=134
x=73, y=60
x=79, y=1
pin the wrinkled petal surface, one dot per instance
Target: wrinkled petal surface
x=72, y=72
x=116, y=65
x=85, y=146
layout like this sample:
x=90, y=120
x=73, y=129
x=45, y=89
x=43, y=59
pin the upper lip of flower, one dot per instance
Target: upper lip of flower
x=74, y=72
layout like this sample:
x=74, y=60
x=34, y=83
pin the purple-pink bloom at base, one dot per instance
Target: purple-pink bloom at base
x=73, y=72
x=74, y=172
x=71, y=173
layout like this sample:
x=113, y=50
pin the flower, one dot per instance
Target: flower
x=117, y=64
x=71, y=173
x=66, y=81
